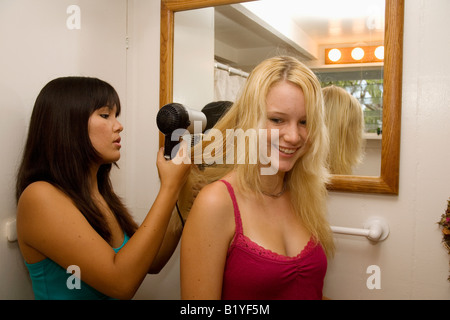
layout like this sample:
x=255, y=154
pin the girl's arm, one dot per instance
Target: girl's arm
x=49, y=225
x=206, y=237
x=169, y=244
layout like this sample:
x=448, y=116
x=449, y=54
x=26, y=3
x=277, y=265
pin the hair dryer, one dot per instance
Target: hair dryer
x=175, y=116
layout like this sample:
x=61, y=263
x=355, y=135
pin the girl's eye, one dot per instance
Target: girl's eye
x=303, y=122
x=104, y=115
x=275, y=120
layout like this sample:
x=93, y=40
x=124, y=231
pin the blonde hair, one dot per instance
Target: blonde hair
x=345, y=122
x=307, y=179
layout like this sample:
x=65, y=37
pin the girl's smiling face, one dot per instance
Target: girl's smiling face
x=104, y=132
x=286, y=112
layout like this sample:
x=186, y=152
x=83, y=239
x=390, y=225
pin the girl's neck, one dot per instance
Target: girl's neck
x=93, y=179
x=273, y=185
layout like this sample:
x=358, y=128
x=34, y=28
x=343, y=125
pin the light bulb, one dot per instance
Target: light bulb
x=357, y=53
x=379, y=52
x=334, y=55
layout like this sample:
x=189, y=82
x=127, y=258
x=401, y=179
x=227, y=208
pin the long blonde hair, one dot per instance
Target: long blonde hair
x=307, y=179
x=345, y=122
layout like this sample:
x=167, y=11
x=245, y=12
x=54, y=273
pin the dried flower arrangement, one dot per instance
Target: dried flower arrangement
x=445, y=224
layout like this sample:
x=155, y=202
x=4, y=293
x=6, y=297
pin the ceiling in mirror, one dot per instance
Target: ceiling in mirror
x=247, y=33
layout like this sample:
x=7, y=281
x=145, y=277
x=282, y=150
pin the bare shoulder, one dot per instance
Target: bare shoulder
x=41, y=201
x=39, y=194
x=213, y=206
x=206, y=238
x=42, y=211
x=215, y=193
x=214, y=198
x=42, y=197
x=41, y=189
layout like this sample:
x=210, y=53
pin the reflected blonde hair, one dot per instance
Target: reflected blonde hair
x=307, y=179
x=345, y=122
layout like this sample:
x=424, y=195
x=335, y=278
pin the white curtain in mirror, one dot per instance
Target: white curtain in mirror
x=227, y=86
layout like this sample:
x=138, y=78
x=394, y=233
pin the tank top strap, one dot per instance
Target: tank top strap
x=237, y=214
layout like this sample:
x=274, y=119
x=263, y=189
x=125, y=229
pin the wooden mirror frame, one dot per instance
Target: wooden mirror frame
x=388, y=181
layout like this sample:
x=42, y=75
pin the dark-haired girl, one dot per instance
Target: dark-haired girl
x=67, y=211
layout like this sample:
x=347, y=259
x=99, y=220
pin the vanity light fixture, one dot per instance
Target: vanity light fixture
x=349, y=55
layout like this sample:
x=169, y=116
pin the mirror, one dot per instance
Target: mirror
x=387, y=181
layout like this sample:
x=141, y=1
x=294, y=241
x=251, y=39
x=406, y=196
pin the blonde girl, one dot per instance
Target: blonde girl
x=256, y=236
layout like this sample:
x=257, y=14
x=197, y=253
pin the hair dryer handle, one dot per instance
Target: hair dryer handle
x=169, y=145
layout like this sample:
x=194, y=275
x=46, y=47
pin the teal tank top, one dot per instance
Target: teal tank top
x=49, y=282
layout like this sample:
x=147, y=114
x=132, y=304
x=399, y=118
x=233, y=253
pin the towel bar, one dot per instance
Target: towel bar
x=375, y=229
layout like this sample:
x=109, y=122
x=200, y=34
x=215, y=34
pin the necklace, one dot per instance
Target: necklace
x=279, y=194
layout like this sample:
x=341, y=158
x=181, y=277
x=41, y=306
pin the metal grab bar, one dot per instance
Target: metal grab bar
x=11, y=230
x=375, y=229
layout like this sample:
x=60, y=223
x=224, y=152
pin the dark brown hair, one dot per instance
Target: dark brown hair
x=58, y=149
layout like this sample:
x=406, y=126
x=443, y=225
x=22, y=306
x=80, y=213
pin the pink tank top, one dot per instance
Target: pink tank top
x=255, y=273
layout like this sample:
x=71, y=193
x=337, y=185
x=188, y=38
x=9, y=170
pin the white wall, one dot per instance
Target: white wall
x=37, y=46
x=412, y=260
x=193, y=61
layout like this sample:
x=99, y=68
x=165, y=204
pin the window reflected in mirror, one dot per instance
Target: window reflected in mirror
x=355, y=148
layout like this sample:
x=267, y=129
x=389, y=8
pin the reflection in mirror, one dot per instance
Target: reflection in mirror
x=247, y=33
x=345, y=121
x=244, y=35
